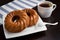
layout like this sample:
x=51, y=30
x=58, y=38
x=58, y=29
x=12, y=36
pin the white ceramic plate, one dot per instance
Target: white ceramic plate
x=36, y=28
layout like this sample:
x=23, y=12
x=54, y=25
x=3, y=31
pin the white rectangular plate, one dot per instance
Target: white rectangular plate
x=29, y=30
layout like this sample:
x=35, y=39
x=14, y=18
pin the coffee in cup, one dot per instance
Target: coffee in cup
x=44, y=5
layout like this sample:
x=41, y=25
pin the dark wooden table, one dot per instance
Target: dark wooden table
x=52, y=33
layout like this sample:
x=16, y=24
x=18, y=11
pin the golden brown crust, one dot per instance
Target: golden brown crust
x=33, y=16
x=20, y=24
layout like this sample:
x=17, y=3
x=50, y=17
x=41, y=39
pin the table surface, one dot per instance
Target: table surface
x=52, y=33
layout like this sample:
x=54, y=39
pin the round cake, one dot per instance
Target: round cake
x=33, y=16
x=16, y=21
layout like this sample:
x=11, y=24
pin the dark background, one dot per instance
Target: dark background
x=52, y=33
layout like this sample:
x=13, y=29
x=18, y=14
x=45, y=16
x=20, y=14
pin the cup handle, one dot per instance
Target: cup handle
x=54, y=6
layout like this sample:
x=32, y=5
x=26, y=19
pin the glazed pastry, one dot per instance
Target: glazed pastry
x=33, y=16
x=16, y=21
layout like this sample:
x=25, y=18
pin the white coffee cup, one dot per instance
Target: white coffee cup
x=46, y=12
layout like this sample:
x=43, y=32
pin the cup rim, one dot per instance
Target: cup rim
x=43, y=2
